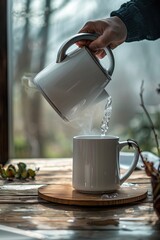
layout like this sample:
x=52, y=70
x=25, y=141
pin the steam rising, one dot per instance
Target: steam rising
x=27, y=83
x=87, y=122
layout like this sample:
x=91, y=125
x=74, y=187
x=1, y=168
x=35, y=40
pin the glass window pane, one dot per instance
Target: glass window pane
x=39, y=29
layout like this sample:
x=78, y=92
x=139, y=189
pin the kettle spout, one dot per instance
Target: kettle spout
x=102, y=96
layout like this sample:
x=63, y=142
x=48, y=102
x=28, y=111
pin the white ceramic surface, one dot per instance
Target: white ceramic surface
x=75, y=80
x=96, y=163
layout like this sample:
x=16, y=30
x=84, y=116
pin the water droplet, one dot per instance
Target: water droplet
x=71, y=220
x=129, y=210
x=109, y=196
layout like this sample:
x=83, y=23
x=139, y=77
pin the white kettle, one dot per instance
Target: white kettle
x=76, y=80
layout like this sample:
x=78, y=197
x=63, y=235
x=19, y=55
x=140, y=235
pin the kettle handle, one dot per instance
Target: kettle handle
x=84, y=36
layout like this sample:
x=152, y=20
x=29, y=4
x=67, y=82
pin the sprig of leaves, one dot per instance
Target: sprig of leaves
x=19, y=172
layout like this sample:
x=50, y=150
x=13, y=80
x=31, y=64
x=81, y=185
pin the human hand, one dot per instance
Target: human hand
x=112, y=32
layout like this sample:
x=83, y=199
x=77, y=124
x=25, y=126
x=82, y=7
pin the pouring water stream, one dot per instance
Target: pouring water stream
x=106, y=118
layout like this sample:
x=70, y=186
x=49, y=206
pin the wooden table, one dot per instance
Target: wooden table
x=21, y=208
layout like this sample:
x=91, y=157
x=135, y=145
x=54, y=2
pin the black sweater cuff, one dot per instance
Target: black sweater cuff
x=133, y=20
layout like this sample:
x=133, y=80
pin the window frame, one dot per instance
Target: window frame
x=4, y=103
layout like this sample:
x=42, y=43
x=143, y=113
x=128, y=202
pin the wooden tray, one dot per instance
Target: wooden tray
x=65, y=194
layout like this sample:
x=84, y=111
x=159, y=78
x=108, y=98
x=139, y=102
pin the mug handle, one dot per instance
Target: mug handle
x=61, y=55
x=134, y=161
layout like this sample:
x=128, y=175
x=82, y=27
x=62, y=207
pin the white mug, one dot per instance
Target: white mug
x=96, y=167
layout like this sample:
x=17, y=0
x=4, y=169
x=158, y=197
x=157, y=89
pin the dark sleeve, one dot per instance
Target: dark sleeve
x=142, y=19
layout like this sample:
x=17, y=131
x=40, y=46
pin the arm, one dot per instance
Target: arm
x=135, y=20
x=142, y=19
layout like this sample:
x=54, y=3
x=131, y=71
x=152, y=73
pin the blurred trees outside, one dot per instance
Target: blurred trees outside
x=39, y=29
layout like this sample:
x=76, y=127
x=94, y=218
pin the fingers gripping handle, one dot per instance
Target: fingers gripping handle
x=68, y=43
x=134, y=161
x=84, y=36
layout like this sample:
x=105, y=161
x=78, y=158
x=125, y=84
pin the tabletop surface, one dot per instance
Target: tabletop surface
x=22, y=210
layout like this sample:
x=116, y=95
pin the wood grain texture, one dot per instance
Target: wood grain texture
x=65, y=194
x=21, y=207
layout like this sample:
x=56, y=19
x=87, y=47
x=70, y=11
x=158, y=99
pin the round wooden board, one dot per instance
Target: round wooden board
x=65, y=194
